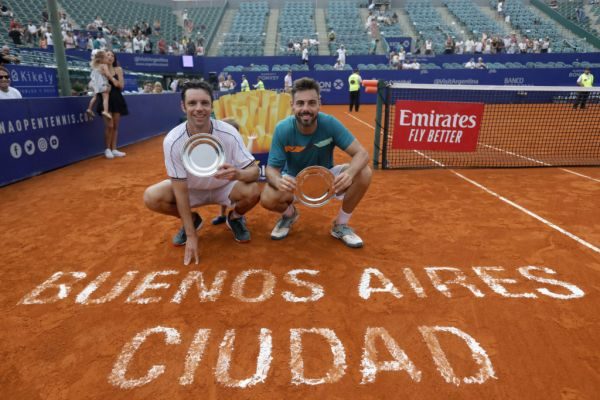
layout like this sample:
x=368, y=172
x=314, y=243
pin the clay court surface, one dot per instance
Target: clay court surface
x=438, y=251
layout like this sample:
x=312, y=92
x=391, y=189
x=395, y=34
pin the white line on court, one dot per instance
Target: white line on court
x=504, y=199
x=540, y=162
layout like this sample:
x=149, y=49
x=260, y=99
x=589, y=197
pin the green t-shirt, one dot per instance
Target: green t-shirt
x=292, y=151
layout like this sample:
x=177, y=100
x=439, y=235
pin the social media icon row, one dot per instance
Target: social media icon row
x=29, y=147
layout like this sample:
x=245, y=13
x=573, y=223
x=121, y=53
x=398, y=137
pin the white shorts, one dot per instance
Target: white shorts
x=215, y=196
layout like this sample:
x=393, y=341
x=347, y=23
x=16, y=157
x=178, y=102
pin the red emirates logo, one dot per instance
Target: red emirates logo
x=437, y=125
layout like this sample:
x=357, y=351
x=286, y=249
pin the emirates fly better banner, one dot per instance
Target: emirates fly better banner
x=437, y=125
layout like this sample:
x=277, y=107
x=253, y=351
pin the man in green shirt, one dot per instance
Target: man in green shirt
x=585, y=80
x=354, y=82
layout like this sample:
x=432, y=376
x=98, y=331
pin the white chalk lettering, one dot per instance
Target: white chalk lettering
x=316, y=290
x=371, y=365
x=117, y=376
x=486, y=370
x=337, y=370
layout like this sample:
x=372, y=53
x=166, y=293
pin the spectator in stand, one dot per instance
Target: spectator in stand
x=148, y=45
x=45, y=16
x=5, y=11
x=15, y=31
x=148, y=88
x=138, y=44
x=305, y=56
x=459, y=47
x=470, y=64
x=199, y=49
x=158, y=88
x=480, y=64
x=394, y=60
x=7, y=92
x=7, y=58
x=43, y=42
x=341, y=51
x=69, y=41
x=338, y=66
x=428, y=47
x=185, y=16
x=31, y=33
x=162, y=46
x=190, y=48
x=331, y=36
x=449, y=45
x=82, y=41
x=157, y=26
x=98, y=22
x=287, y=82
x=230, y=82
x=469, y=46
x=545, y=47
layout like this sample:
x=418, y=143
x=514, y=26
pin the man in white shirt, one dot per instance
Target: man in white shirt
x=287, y=82
x=7, y=92
x=305, y=56
x=234, y=185
x=342, y=55
x=470, y=64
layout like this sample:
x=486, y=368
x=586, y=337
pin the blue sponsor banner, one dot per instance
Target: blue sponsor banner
x=334, y=84
x=39, y=135
x=396, y=43
x=33, y=81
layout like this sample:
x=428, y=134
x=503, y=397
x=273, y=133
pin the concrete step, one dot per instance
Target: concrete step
x=224, y=27
x=271, y=36
x=321, y=27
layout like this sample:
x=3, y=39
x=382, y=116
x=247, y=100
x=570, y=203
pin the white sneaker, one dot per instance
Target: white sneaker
x=283, y=225
x=346, y=235
x=108, y=154
x=118, y=153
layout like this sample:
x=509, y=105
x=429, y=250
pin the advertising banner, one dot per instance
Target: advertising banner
x=396, y=43
x=39, y=135
x=33, y=81
x=437, y=125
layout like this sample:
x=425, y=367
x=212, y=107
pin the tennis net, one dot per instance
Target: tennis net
x=424, y=125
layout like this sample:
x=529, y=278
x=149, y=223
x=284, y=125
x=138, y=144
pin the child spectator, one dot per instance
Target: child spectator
x=99, y=82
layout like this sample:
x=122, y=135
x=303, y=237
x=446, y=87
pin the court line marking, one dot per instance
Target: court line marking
x=540, y=162
x=504, y=199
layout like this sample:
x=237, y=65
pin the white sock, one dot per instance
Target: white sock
x=289, y=211
x=235, y=215
x=343, y=218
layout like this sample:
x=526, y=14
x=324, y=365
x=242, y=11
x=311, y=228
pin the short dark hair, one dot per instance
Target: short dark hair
x=3, y=68
x=302, y=84
x=196, y=84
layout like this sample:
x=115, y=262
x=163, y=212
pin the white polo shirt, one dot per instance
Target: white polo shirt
x=236, y=154
x=11, y=94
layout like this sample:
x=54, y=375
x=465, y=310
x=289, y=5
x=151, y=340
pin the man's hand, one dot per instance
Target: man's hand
x=228, y=172
x=286, y=183
x=342, y=182
x=191, y=249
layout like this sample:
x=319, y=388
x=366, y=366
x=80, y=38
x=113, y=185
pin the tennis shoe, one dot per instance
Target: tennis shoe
x=238, y=227
x=108, y=154
x=181, y=238
x=219, y=220
x=346, y=235
x=118, y=153
x=283, y=225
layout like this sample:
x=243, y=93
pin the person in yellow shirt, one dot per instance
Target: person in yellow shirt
x=245, y=86
x=259, y=84
x=354, y=82
x=585, y=80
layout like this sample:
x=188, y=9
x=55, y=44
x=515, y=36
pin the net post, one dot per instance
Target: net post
x=386, y=126
x=381, y=87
